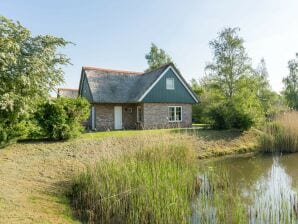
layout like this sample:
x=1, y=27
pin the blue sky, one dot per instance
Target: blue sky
x=117, y=34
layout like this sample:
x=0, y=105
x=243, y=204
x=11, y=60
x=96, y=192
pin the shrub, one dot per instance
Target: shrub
x=227, y=115
x=60, y=119
x=11, y=133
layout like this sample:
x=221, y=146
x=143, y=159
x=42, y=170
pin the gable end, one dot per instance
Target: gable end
x=84, y=90
x=157, y=92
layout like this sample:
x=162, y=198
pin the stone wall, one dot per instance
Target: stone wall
x=156, y=115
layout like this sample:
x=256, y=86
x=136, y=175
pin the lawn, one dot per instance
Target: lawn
x=35, y=176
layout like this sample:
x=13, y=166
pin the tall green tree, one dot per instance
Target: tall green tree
x=157, y=57
x=230, y=61
x=291, y=84
x=230, y=84
x=270, y=101
x=30, y=68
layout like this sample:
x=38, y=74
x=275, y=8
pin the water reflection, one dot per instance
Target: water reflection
x=248, y=190
x=274, y=200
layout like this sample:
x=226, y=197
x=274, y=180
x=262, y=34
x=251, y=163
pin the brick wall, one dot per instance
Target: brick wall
x=156, y=115
x=105, y=116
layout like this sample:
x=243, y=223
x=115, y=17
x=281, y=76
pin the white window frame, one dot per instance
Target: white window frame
x=170, y=87
x=138, y=114
x=175, y=118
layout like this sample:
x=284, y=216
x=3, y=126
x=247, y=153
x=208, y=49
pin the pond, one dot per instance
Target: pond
x=259, y=189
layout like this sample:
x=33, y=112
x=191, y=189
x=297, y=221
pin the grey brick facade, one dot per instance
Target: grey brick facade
x=154, y=115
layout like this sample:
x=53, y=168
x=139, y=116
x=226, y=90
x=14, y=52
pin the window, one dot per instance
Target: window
x=174, y=114
x=139, y=114
x=170, y=83
x=171, y=114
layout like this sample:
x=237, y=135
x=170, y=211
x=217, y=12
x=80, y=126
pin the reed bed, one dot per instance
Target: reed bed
x=281, y=135
x=153, y=181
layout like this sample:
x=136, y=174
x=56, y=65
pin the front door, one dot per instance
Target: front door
x=118, y=117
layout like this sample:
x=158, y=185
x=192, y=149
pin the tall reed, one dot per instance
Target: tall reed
x=150, y=185
x=281, y=135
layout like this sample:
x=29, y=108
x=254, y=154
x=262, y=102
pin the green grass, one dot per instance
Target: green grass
x=153, y=185
x=121, y=133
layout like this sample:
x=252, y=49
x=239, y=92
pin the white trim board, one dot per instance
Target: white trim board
x=160, y=77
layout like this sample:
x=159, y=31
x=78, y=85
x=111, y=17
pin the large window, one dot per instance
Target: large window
x=139, y=114
x=170, y=83
x=174, y=113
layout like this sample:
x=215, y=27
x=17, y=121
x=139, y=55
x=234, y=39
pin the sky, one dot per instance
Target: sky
x=117, y=34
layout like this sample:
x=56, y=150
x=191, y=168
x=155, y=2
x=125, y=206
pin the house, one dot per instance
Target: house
x=71, y=93
x=137, y=100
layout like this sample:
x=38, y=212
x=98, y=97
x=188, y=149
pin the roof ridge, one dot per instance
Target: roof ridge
x=160, y=67
x=111, y=70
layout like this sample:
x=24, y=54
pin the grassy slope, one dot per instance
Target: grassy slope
x=34, y=176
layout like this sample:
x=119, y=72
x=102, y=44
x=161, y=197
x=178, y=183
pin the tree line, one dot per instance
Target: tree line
x=232, y=93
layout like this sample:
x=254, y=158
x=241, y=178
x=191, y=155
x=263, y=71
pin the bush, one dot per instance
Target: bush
x=11, y=132
x=227, y=115
x=60, y=119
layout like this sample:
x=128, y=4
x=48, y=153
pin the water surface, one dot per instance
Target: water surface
x=260, y=189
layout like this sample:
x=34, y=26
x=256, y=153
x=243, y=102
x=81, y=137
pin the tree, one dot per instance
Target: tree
x=270, y=100
x=291, y=84
x=30, y=68
x=230, y=86
x=230, y=61
x=157, y=57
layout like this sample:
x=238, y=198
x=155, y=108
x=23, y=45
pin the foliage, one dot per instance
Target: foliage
x=230, y=61
x=271, y=102
x=157, y=57
x=231, y=81
x=227, y=115
x=197, y=109
x=61, y=118
x=151, y=185
x=29, y=70
x=291, y=84
x=208, y=98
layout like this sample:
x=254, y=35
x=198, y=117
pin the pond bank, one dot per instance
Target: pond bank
x=34, y=176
